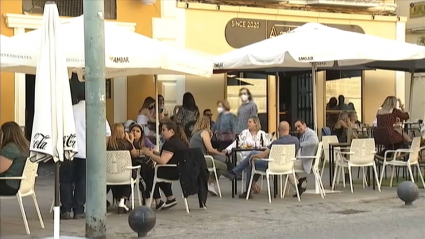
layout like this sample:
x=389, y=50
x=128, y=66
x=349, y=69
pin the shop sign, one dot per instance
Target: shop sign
x=240, y=32
x=417, y=9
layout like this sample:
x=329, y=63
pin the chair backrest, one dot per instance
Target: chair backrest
x=30, y=172
x=364, y=151
x=318, y=156
x=415, y=147
x=116, y=167
x=326, y=140
x=209, y=158
x=281, y=155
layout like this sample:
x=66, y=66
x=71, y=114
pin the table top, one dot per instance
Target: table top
x=248, y=149
x=339, y=144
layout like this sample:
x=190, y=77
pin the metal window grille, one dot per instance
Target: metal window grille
x=68, y=8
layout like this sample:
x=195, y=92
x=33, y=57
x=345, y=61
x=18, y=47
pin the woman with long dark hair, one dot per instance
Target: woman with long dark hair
x=14, y=151
x=187, y=112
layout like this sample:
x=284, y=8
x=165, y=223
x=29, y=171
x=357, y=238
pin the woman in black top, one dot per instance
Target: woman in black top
x=120, y=140
x=168, y=155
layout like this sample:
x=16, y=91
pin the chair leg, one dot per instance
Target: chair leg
x=152, y=190
x=342, y=175
x=24, y=216
x=363, y=177
x=351, y=179
x=376, y=177
x=296, y=188
x=51, y=207
x=218, y=183
x=284, y=188
x=186, y=204
x=410, y=172
x=392, y=176
x=323, y=168
x=382, y=173
x=262, y=182
x=335, y=176
x=132, y=196
x=420, y=174
x=322, y=187
x=139, y=196
x=34, y=198
x=248, y=191
x=268, y=188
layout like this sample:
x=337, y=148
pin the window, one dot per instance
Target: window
x=347, y=84
x=68, y=8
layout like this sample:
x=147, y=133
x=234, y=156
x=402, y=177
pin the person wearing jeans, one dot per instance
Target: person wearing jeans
x=72, y=174
x=261, y=165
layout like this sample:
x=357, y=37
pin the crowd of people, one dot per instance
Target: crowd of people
x=185, y=129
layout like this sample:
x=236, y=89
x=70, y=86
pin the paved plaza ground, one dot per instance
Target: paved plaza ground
x=364, y=214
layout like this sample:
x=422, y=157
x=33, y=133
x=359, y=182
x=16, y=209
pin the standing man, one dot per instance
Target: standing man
x=73, y=173
x=308, y=147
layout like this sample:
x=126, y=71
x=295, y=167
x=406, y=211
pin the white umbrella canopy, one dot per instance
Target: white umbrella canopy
x=10, y=54
x=53, y=133
x=327, y=47
x=127, y=53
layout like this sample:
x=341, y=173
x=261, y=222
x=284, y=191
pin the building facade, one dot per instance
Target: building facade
x=216, y=28
x=126, y=93
x=415, y=34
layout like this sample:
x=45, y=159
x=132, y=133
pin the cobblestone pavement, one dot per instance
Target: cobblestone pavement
x=364, y=214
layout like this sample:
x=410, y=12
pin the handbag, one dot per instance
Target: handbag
x=225, y=136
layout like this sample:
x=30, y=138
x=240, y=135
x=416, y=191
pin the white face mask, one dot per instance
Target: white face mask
x=220, y=109
x=244, y=97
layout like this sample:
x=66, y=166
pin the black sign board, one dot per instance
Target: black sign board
x=240, y=32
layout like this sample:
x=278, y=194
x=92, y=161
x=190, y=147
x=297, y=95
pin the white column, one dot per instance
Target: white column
x=400, y=77
x=120, y=99
x=19, y=90
x=170, y=28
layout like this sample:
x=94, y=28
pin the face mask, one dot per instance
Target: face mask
x=244, y=97
x=220, y=109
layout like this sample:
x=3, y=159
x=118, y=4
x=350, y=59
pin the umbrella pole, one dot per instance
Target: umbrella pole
x=313, y=79
x=156, y=112
x=412, y=80
x=277, y=102
x=56, y=209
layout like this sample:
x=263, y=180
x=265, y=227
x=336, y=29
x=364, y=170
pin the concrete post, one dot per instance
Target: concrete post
x=94, y=39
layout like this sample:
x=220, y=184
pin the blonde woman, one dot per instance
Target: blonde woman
x=201, y=138
x=390, y=117
x=343, y=128
x=253, y=135
x=120, y=140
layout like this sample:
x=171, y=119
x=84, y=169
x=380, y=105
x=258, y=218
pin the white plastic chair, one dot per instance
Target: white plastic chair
x=239, y=159
x=413, y=160
x=362, y=154
x=326, y=140
x=316, y=172
x=26, y=189
x=281, y=162
x=163, y=180
x=213, y=170
x=119, y=172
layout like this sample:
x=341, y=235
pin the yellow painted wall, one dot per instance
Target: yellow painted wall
x=205, y=32
x=138, y=87
x=7, y=80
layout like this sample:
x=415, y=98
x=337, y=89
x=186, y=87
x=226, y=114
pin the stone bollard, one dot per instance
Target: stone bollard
x=408, y=192
x=141, y=220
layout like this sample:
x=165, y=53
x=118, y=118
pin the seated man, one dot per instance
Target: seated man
x=308, y=145
x=285, y=138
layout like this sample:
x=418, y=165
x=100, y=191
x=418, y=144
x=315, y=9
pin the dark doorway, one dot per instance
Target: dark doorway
x=29, y=104
x=296, y=97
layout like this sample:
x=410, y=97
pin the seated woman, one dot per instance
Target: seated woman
x=146, y=116
x=251, y=136
x=389, y=117
x=201, y=138
x=343, y=128
x=14, y=150
x=120, y=140
x=168, y=155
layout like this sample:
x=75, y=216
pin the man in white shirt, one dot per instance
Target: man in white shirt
x=73, y=173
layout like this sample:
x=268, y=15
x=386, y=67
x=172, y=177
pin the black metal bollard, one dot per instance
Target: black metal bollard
x=141, y=220
x=408, y=192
